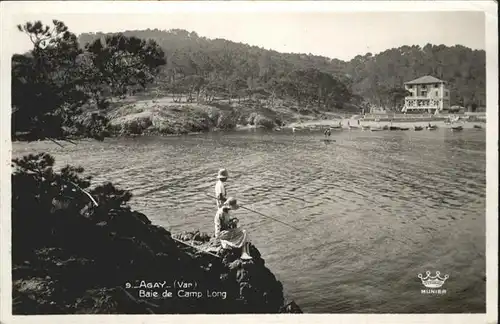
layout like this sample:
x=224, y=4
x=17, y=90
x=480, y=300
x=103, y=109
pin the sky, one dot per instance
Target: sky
x=341, y=35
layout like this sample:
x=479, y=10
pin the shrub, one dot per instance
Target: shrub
x=263, y=121
x=76, y=254
x=40, y=195
x=227, y=120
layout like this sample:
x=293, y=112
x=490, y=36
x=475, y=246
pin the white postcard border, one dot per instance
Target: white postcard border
x=143, y=7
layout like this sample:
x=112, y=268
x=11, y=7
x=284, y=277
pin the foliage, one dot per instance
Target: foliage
x=210, y=70
x=464, y=69
x=368, y=76
x=62, y=74
x=59, y=234
x=38, y=192
x=396, y=97
x=52, y=82
x=118, y=64
x=93, y=125
x=46, y=88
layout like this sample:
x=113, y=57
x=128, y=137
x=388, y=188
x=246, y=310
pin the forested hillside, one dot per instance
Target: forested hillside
x=463, y=68
x=201, y=66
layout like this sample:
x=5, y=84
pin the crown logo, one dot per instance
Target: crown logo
x=432, y=281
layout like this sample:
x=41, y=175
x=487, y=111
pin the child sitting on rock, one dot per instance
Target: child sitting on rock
x=228, y=233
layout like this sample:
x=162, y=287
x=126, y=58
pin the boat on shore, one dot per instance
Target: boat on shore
x=478, y=126
x=432, y=127
x=457, y=128
x=418, y=128
x=365, y=127
x=404, y=128
x=352, y=126
x=376, y=129
x=392, y=128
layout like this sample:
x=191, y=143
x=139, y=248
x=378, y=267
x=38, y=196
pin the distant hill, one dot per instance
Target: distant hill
x=462, y=67
x=368, y=77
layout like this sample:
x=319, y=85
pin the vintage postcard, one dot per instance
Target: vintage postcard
x=274, y=162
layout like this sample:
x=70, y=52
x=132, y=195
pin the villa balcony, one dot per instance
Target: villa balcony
x=423, y=98
x=422, y=103
x=421, y=107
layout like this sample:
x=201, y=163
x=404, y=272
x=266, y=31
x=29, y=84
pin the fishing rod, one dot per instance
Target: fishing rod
x=277, y=220
x=259, y=213
x=264, y=215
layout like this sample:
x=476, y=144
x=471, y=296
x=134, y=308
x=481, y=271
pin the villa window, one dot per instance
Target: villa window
x=424, y=93
x=436, y=93
x=436, y=85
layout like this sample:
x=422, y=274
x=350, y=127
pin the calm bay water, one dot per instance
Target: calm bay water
x=376, y=209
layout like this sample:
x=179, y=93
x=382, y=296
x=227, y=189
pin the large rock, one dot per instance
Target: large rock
x=257, y=289
x=87, y=262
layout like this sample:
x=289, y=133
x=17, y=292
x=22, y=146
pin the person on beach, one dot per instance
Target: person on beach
x=328, y=132
x=220, y=189
x=228, y=233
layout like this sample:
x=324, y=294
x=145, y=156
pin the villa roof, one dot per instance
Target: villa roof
x=425, y=80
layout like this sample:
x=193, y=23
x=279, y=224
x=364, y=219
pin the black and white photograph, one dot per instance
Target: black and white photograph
x=286, y=159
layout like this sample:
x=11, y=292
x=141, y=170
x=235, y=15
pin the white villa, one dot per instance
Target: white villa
x=428, y=94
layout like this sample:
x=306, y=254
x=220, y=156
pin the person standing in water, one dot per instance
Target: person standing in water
x=220, y=188
x=228, y=233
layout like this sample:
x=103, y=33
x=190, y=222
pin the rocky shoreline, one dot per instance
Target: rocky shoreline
x=128, y=273
x=71, y=257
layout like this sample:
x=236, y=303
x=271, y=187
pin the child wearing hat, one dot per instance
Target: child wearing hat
x=220, y=189
x=228, y=233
